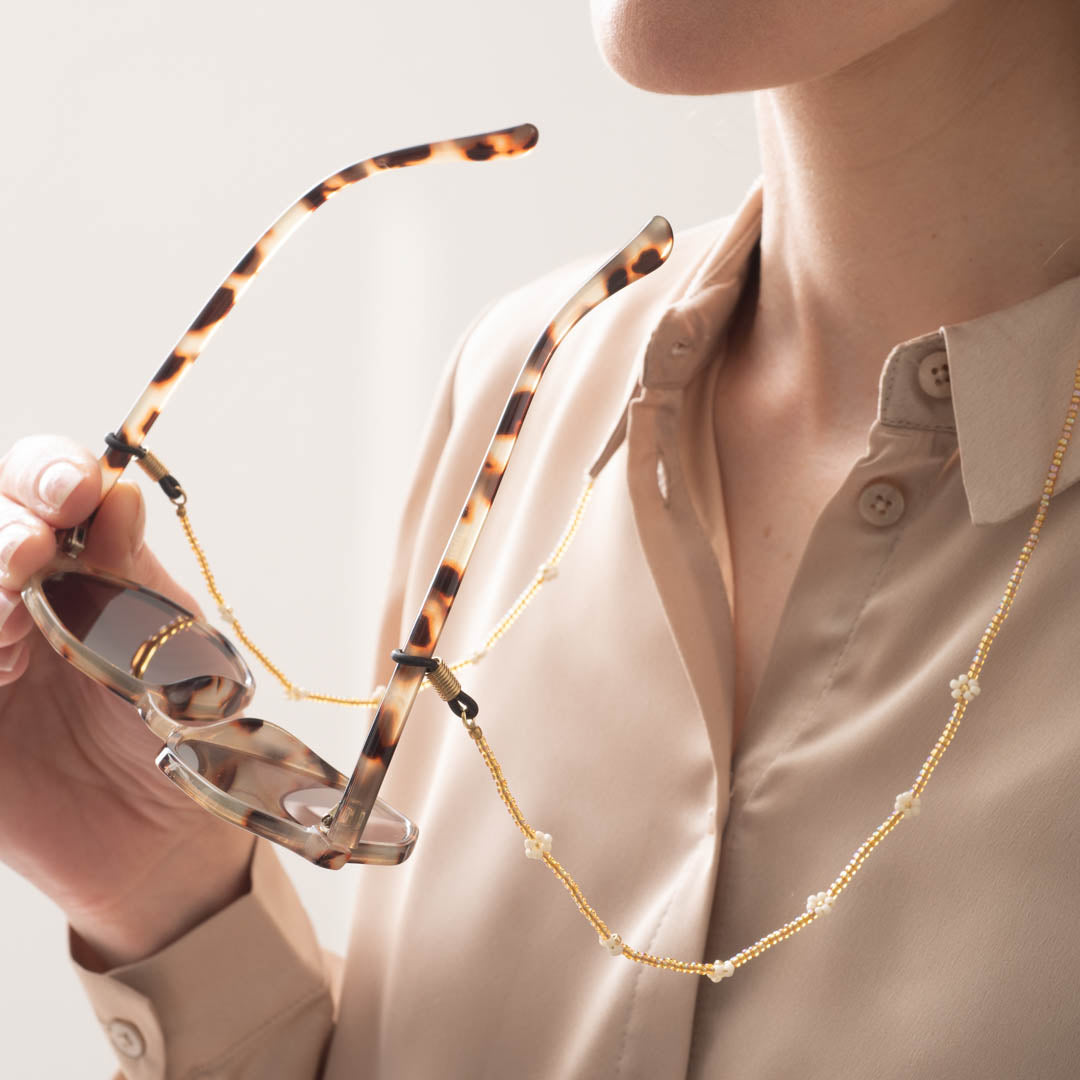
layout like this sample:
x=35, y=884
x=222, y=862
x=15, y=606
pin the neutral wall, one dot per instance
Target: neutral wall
x=146, y=145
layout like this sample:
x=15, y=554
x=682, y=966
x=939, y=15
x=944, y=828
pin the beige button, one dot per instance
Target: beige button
x=881, y=503
x=934, y=374
x=126, y=1037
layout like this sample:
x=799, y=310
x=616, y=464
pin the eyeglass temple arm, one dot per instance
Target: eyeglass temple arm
x=647, y=251
x=507, y=142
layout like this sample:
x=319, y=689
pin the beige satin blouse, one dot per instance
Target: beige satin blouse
x=956, y=951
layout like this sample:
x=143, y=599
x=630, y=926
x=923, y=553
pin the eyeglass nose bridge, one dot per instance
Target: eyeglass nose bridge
x=199, y=700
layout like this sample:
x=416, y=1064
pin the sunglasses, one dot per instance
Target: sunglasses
x=190, y=684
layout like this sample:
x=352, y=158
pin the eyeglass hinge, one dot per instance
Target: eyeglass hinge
x=72, y=542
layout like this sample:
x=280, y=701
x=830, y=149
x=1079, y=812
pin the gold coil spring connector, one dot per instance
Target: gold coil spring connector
x=159, y=472
x=444, y=682
x=153, y=466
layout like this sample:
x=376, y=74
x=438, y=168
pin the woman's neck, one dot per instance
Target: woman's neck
x=930, y=182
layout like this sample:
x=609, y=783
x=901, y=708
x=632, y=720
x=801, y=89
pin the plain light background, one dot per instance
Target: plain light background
x=146, y=146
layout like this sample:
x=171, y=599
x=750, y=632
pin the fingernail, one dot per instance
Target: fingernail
x=8, y=604
x=12, y=536
x=57, y=482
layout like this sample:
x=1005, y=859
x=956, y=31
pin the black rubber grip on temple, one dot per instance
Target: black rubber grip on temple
x=168, y=483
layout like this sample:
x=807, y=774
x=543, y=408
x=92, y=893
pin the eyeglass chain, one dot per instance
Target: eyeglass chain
x=964, y=688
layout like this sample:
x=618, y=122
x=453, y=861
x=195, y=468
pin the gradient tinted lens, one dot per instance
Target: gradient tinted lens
x=269, y=769
x=146, y=636
x=260, y=777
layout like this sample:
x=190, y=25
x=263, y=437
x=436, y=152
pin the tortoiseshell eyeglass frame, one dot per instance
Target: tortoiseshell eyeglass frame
x=205, y=758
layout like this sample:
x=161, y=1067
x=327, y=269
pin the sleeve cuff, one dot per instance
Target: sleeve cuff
x=248, y=985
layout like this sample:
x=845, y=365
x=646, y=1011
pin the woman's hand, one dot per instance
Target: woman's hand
x=84, y=813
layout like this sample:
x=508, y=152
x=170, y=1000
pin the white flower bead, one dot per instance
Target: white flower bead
x=538, y=845
x=548, y=571
x=720, y=969
x=296, y=693
x=964, y=687
x=478, y=655
x=907, y=803
x=613, y=944
x=226, y=613
x=819, y=903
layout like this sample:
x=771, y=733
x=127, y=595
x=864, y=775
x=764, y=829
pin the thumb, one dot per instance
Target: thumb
x=116, y=543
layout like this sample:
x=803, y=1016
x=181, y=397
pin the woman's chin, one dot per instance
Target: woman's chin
x=728, y=46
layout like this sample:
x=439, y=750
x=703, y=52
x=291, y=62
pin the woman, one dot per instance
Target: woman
x=817, y=439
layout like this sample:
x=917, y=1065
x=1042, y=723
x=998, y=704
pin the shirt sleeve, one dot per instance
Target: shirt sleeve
x=248, y=993
x=244, y=994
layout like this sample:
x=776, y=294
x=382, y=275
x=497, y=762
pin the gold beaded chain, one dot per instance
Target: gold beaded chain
x=544, y=574
x=964, y=688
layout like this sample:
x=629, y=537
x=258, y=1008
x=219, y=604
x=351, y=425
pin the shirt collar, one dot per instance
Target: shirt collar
x=1010, y=371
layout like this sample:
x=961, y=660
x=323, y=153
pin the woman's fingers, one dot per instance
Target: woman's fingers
x=116, y=543
x=116, y=536
x=48, y=482
x=53, y=477
x=26, y=544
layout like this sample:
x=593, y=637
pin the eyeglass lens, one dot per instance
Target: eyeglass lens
x=140, y=632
